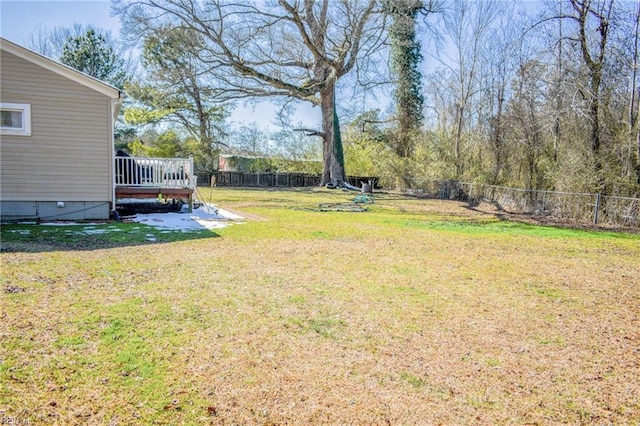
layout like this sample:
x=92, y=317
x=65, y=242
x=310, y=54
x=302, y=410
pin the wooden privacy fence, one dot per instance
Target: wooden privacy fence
x=241, y=179
x=266, y=179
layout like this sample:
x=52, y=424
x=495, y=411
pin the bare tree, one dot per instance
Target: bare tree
x=576, y=57
x=634, y=99
x=50, y=42
x=559, y=90
x=291, y=48
x=501, y=61
x=593, y=29
x=525, y=114
x=467, y=25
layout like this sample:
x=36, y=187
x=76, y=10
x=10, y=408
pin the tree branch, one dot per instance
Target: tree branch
x=310, y=132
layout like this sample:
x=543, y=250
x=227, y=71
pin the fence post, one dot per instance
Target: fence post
x=597, y=209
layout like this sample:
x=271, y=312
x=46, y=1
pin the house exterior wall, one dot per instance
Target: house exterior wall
x=68, y=156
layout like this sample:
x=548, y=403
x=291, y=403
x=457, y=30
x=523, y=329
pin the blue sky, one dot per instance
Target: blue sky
x=23, y=17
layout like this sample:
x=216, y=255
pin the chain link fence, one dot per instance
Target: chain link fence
x=567, y=206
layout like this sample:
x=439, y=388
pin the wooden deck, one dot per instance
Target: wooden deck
x=153, y=192
x=145, y=178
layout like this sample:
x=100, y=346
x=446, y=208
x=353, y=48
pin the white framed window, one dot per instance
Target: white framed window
x=15, y=119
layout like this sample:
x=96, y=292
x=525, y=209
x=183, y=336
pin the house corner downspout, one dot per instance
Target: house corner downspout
x=115, y=108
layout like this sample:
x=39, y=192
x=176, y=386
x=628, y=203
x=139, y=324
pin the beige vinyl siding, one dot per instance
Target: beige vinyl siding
x=68, y=155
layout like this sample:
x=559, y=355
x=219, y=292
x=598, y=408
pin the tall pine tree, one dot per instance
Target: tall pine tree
x=92, y=54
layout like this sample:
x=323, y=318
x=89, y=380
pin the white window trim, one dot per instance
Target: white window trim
x=25, y=109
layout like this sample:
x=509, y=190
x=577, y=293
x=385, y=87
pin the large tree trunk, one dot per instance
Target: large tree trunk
x=458, y=141
x=638, y=156
x=594, y=116
x=333, y=159
x=594, y=137
x=594, y=60
x=498, y=139
x=634, y=102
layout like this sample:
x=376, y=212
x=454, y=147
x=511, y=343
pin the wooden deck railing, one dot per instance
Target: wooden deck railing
x=154, y=172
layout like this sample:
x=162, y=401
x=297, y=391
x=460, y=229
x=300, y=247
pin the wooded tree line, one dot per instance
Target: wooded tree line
x=537, y=95
x=541, y=99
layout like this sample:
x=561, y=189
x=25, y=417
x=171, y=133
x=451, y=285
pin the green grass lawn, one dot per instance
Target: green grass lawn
x=411, y=312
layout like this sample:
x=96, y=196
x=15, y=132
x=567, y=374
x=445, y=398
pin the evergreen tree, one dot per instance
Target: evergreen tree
x=93, y=55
